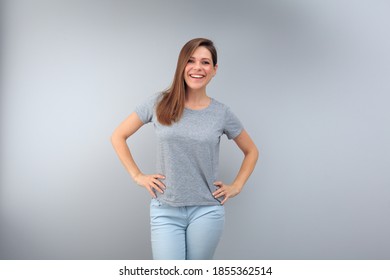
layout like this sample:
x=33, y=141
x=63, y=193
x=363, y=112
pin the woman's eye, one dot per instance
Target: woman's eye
x=190, y=61
x=206, y=62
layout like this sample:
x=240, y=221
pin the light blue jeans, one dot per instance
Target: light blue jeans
x=185, y=233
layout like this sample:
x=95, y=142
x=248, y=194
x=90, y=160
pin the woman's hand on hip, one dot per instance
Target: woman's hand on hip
x=227, y=191
x=151, y=182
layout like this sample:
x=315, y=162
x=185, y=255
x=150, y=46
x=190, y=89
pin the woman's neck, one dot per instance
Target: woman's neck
x=197, y=99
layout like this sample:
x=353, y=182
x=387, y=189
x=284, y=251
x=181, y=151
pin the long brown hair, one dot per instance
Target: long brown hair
x=171, y=106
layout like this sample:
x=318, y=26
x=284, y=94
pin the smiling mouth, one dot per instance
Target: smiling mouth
x=197, y=76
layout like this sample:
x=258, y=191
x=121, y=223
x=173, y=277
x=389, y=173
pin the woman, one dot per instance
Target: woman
x=187, y=212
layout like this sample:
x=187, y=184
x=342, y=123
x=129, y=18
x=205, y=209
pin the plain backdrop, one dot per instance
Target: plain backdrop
x=308, y=79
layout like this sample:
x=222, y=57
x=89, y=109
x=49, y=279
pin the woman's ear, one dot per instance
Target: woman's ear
x=215, y=69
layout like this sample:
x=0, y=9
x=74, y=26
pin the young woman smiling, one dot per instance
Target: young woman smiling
x=187, y=207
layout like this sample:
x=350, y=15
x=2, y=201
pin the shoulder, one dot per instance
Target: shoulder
x=222, y=107
x=151, y=100
x=219, y=105
x=146, y=109
x=154, y=98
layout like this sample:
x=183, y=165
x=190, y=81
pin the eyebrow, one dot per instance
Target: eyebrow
x=203, y=58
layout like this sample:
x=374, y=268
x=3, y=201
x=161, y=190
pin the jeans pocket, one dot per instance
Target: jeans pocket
x=155, y=203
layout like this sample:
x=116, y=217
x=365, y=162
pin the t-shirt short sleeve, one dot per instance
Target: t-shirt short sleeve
x=232, y=126
x=145, y=110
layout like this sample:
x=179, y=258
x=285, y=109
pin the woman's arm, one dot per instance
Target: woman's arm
x=118, y=139
x=251, y=154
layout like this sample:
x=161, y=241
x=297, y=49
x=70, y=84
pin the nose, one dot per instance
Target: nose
x=197, y=65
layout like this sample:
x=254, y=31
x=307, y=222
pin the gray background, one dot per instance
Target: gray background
x=309, y=80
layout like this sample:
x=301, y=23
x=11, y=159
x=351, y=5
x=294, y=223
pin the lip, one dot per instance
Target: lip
x=197, y=76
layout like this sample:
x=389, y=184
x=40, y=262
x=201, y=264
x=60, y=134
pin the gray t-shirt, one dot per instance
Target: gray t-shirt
x=188, y=151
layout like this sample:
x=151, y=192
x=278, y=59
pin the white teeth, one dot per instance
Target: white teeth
x=196, y=76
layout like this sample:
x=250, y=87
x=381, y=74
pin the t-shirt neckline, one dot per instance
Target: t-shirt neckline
x=203, y=109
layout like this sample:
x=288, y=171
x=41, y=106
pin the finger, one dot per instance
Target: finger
x=223, y=201
x=159, y=183
x=160, y=176
x=222, y=189
x=218, y=183
x=156, y=187
x=151, y=192
x=220, y=193
x=217, y=192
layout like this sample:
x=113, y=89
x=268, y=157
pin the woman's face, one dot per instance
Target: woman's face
x=199, y=69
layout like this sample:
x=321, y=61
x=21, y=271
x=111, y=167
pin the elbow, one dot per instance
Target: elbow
x=253, y=152
x=117, y=137
x=114, y=138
